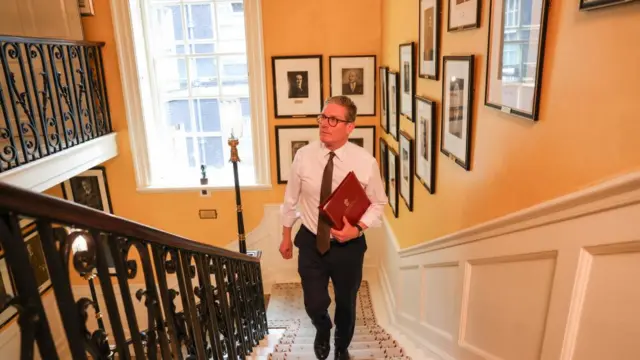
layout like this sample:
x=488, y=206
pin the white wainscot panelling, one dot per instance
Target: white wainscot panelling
x=553, y=282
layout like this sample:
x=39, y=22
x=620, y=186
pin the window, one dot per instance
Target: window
x=190, y=85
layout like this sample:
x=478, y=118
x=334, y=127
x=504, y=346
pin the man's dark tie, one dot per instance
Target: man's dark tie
x=324, y=227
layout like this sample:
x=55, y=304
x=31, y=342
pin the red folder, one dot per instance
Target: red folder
x=348, y=199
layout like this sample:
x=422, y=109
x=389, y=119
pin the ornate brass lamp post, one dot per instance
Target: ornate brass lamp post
x=236, y=133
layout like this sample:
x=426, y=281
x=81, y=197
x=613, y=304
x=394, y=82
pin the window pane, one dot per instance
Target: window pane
x=171, y=75
x=200, y=21
x=245, y=106
x=204, y=76
x=205, y=150
x=230, y=21
x=177, y=114
x=208, y=114
x=203, y=48
x=234, y=75
x=232, y=46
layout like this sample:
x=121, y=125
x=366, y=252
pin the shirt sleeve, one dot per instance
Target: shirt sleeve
x=375, y=191
x=288, y=212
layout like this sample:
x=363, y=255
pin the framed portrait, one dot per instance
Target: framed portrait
x=463, y=15
x=7, y=291
x=36, y=256
x=406, y=168
x=291, y=138
x=394, y=173
x=384, y=165
x=394, y=116
x=86, y=7
x=515, y=57
x=297, y=85
x=355, y=77
x=407, y=79
x=425, y=130
x=457, y=108
x=429, y=39
x=384, y=99
x=597, y=4
x=89, y=188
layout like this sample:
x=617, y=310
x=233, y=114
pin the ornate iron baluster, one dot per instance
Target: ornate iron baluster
x=159, y=257
x=31, y=316
x=9, y=152
x=190, y=306
x=33, y=51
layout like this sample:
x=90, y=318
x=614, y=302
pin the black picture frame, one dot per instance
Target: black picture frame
x=393, y=85
x=384, y=164
x=587, y=5
x=429, y=14
x=407, y=159
x=394, y=174
x=364, y=68
x=290, y=138
x=289, y=103
x=384, y=98
x=515, y=88
x=425, y=143
x=407, y=55
x=455, y=136
x=89, y=188
x=469, y=10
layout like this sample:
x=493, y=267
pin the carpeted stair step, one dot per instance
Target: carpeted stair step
x=355, y=354
x=310, y=331
x=384, y=344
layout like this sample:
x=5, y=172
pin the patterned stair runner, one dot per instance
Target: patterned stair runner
x=286, y=309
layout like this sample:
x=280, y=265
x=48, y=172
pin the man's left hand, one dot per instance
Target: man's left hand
x=347, y=233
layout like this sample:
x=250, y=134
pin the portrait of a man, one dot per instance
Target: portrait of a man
x=295, y=146
x=36, y=258
x=86, y=191
x=456, y=106
x=298, y=84
x=357, y=141
x=352, y=83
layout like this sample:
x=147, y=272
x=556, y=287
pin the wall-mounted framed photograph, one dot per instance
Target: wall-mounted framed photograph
x=425, y=130
x=355, y=77
x=406, y=169
x=429, y=39
x=394, y=174
x=515, y=56
x=457, y=108
x=384, y=99
x=394, y=97
x=463, y=15
x=597, y=4
x=384, y=164
x=407, y=79
x=37, y=260
x=89, y=188
x=291, y=138
x=7, y=291
x=297, y=85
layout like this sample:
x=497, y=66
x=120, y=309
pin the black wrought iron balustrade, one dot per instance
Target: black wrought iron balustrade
x=53, y=96
x=198, y=301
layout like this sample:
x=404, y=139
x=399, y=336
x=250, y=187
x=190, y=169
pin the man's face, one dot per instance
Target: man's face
x=299, y=80
x=335, y=135
x=352, y=77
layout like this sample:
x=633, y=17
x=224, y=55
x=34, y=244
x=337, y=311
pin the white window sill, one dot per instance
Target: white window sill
x=198, y=188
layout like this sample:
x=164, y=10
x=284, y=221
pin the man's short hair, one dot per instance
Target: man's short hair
x=345, y=102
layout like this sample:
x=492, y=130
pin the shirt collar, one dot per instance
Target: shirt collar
x=340, y=152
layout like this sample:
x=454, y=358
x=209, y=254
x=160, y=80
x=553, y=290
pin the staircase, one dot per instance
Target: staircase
x=291, y=334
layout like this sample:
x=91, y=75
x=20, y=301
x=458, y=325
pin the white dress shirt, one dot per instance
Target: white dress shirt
x=303, y=186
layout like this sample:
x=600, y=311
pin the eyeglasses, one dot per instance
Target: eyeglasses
x=333, y=121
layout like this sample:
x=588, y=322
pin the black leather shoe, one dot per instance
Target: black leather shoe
x=321, y=345
x=342, y=355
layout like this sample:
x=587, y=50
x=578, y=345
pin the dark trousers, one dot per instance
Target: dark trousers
x=343, y=265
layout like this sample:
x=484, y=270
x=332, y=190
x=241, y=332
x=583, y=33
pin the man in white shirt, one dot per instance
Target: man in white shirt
x=326, y=253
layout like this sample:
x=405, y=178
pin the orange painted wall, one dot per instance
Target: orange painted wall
x=587, y=132
x=291, y=27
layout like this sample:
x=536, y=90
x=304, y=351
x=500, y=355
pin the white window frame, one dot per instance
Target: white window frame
x=138, y=102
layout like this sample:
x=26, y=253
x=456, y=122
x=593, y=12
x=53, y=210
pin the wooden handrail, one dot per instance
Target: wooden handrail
x=48, y=41
x=43, y=206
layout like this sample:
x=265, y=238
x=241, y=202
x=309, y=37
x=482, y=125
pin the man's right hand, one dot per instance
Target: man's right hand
x=286, y=249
